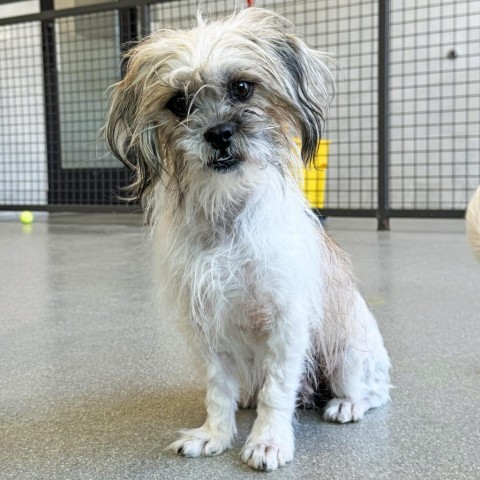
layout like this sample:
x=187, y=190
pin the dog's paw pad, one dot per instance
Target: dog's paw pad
x=342, y=410
x=196, y=442
x=266, y=456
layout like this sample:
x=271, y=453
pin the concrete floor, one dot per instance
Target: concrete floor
x=94, y=384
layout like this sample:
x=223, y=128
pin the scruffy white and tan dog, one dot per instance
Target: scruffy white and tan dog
x=206, y=119
x=473, y=223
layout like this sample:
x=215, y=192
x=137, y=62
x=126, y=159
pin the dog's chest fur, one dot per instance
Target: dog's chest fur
x=235, y=279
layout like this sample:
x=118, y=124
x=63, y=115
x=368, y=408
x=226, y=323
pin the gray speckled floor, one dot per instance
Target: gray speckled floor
x=94, y=384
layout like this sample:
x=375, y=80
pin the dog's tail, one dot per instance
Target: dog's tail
x=473, y=223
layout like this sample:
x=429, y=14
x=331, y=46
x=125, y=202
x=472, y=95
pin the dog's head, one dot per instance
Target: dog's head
x=217, y=103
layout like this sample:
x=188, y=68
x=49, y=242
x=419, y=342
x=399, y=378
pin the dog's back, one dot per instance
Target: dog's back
x=473, y=223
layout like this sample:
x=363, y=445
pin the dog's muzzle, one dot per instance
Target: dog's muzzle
x=220, y=137
x=224, y=164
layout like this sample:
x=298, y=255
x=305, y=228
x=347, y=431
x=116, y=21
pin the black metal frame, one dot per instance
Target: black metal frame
x=383, y=114
x=137, y=13
x=52, y=114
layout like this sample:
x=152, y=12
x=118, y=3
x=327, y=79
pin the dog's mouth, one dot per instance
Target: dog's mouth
x=224, y=163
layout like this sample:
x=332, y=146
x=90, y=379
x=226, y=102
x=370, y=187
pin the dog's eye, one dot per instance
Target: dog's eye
x=179, y=105
x=241, y=90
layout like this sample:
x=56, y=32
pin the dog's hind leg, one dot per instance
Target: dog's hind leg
x=360, y=380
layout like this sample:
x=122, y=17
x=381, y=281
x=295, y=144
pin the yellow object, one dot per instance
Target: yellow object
x=315, y=176
x=26, y=217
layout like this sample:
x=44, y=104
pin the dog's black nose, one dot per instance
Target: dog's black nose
x=220, y=136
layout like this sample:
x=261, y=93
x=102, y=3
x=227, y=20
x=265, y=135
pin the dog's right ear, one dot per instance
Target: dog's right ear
x=310, y=85
x=302, y=75
x=129, y=134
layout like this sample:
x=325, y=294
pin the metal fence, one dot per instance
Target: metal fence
x=404, y=127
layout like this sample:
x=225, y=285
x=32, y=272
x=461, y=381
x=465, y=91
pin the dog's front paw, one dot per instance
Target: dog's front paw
x=343, y=410
x=266, y=455
x=200, y=441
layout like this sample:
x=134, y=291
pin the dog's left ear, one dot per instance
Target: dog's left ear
x=310, y=86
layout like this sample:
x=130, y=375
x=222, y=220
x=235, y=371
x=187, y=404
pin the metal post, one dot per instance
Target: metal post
x=52, y=114
x=129, y=32
x=383, y=114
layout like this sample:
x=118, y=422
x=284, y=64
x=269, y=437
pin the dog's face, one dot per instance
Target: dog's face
x=217, y=103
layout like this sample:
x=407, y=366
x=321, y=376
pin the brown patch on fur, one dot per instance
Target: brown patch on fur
x=261, y=309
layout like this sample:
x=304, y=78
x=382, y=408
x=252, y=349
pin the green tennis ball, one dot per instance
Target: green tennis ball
x=26, y=217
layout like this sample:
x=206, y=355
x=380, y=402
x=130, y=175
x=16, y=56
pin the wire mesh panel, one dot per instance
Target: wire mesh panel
x=54, y=76
x=87, y=61
x=183, y=13
x=435, y=103
x=23, y=160
x=55, y=70
x=347, y=30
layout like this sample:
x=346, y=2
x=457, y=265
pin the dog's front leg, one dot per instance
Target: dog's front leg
x=219, y=429
x=271, y=441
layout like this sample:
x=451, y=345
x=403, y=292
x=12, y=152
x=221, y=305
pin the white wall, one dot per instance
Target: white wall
x=435, y=121
x=19, y=8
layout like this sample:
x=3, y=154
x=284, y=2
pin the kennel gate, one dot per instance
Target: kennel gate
x=404, y=127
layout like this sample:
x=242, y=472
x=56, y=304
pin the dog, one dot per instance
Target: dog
x=473, y=223
x=206, y=120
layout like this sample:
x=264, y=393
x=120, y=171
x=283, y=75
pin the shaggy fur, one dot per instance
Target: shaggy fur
x=473, y=223
x=269, y=300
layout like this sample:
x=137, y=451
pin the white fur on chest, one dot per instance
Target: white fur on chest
x=234, y=281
